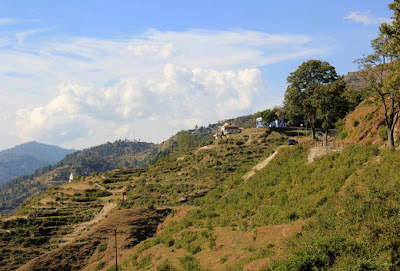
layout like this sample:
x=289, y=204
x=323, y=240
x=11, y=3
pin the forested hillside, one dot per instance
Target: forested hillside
x=26, y=158
x=102, y=158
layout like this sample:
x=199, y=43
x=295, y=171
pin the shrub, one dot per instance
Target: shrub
x=344, y=134
x=383, y=133
x=101, y=265
x=145, y=262
x=190, y=263
x=102, y=247
x=223, y=259
x=340, y=124
x=165, y=266
x=368, y=117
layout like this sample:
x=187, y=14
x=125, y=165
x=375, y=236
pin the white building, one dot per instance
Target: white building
x=278, y=123
x=259, y=123
x=229, y=128
x=71, y=177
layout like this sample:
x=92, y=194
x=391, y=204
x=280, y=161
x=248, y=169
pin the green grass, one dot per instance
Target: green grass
x=288, y=189
x=359, y=230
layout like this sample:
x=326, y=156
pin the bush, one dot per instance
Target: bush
x=145, y=262
x=165, y=266
x=102, y=247
x=344, y=134
x=190, y=263
x=383, y=133
x=340, y=124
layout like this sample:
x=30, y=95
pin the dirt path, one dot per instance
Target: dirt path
x=208, y=147
x=100, y=186
x=320, y=151
x=261, y=165
x=8, y=218
x=81, y=228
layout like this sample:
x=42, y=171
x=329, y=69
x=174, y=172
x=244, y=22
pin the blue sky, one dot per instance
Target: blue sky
x=80, y=73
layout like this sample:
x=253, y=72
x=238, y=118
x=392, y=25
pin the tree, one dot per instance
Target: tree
x=299, y=99
x=268, y=116
x=331, y=103
x=381, y=70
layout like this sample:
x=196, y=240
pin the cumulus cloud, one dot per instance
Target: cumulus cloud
x=177, y=98
x=365, y=18
x=88, y=91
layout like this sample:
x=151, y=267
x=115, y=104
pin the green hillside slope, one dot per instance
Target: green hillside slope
x=293, y=196
x=247, y=202
x=174, y=180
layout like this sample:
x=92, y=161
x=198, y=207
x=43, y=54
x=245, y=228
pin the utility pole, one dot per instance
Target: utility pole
x=231, y=171
x=116, y=251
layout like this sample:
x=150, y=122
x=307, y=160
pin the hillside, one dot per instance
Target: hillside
x=105, y=157
x=173, y=181
x=246, y=202
x=101, y=158
x=26, y=158
x=207, y=212
x=366, y=125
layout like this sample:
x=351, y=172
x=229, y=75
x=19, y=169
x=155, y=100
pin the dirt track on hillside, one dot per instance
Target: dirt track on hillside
x=81, y=228
x=261, y=165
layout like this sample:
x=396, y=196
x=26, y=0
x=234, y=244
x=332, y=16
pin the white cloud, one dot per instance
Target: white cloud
x=177, y=98
x=365, y=18
x=152, y=50
x=154, y=84
x=21, y=36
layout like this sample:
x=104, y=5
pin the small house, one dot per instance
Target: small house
x=71, y=177
x=259, y=123
x=229, y=128
x=278, y=123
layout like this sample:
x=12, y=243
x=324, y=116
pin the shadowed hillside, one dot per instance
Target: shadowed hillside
x=102, y=158
x=26, y=158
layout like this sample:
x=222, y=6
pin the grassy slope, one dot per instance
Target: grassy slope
x=366, y=125
x=190, y=174
x=338, y=213
x=289, y=197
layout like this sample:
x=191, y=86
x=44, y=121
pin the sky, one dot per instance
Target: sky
x=81, y=73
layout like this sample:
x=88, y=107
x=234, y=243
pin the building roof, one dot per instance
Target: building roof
x=230, y=126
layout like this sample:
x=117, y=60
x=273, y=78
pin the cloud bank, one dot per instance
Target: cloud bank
x=79, y=91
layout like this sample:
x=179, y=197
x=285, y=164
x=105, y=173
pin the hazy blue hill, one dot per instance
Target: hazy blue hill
x=24, y=159
x=102, y=158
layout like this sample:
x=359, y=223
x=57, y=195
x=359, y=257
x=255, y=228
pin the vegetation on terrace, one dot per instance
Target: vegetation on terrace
x=346, y=203
x=187, y=173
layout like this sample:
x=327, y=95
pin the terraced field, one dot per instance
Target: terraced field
x=56, y=217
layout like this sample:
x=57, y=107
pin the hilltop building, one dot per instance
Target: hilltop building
x=229, y=128
x=259, y=123
x=278, y=123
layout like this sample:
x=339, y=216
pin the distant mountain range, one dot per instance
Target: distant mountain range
x=24, y=159
x=102, y=158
